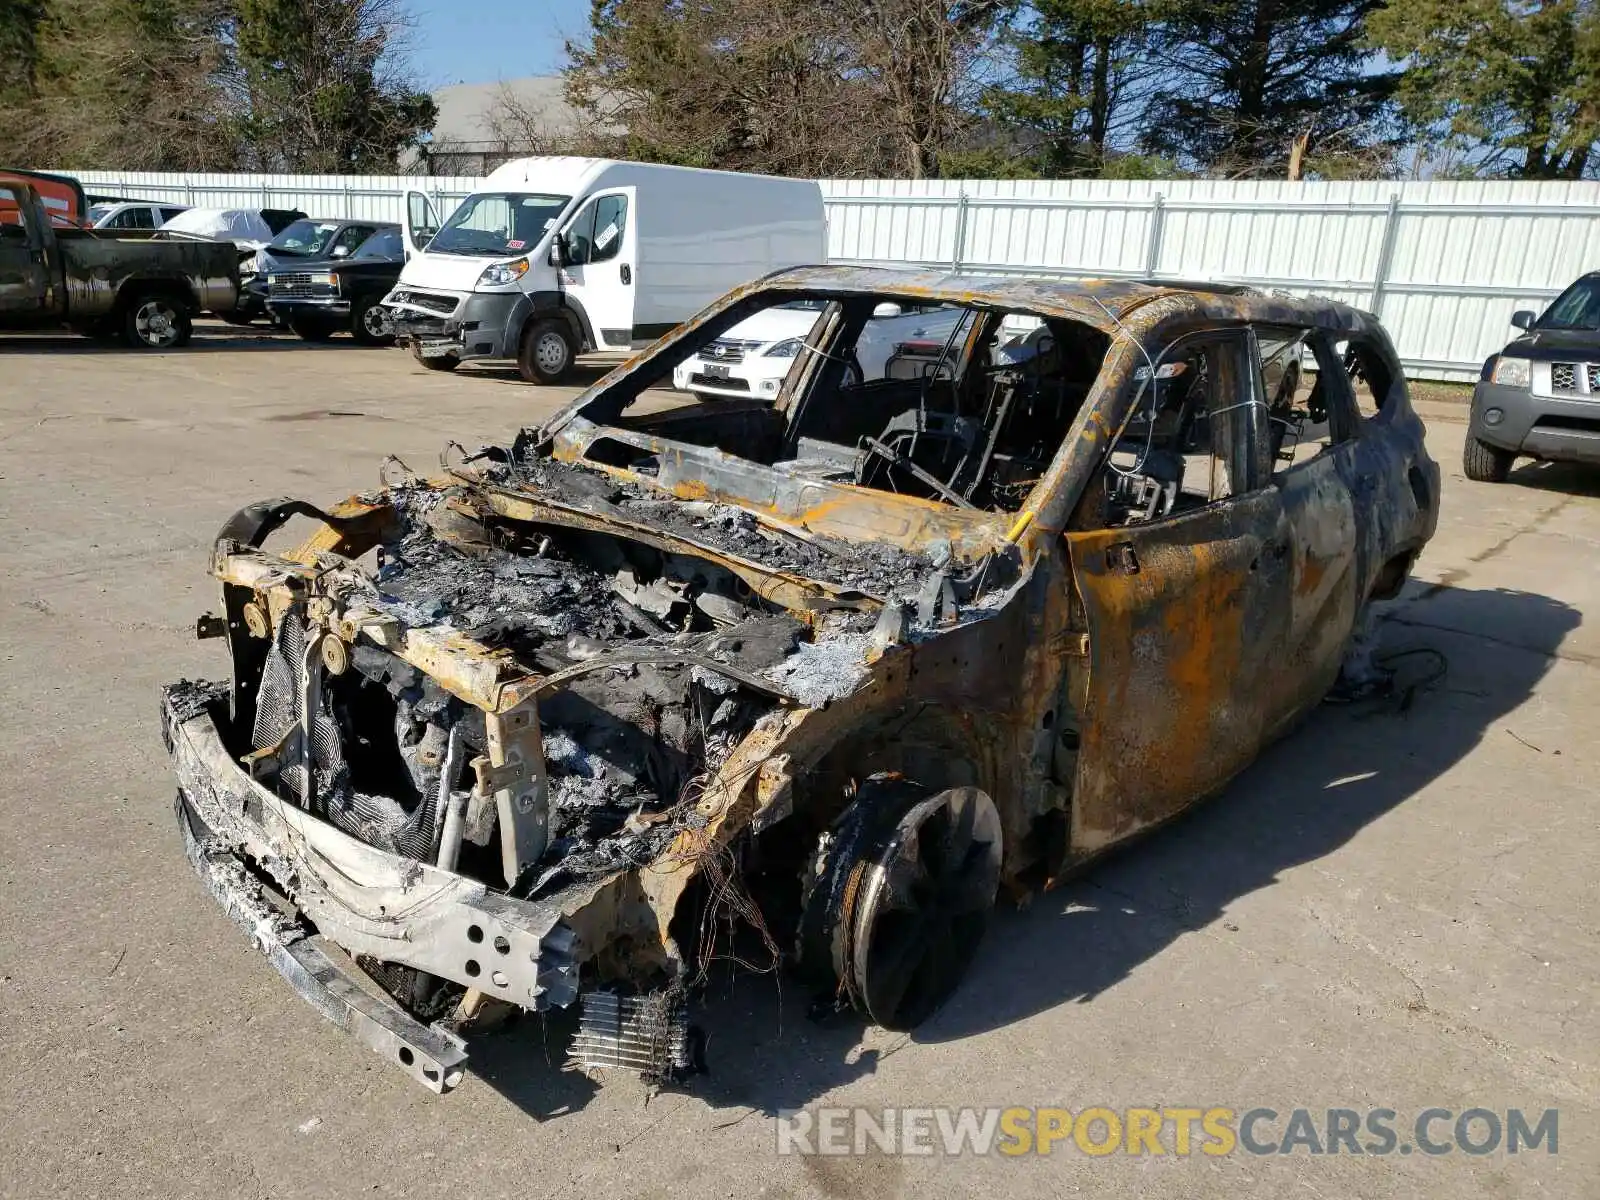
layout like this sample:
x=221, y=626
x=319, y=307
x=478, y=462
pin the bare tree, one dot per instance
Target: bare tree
x=923, y=59
x=855, y=87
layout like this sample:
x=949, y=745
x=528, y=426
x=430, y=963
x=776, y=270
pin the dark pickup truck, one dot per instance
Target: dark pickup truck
x=144, y=290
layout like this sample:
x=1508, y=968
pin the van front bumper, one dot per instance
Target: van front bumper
x=485, y=325
x=249, y=846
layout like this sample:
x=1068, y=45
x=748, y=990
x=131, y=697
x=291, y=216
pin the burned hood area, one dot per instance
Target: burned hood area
x=667, y=658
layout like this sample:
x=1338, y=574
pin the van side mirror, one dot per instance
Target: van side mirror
x=341, y=251
x=558, y=251
x=1522, y=319
x=887, y=309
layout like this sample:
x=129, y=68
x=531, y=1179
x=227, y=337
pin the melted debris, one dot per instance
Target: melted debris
x=870, y=567
x=191, y=697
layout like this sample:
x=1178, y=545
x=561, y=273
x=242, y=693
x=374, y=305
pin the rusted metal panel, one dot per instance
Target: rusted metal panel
x=1186, y=619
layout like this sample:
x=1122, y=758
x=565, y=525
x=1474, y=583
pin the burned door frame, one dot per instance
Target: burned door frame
x=1183, y=616
x=1320, y=531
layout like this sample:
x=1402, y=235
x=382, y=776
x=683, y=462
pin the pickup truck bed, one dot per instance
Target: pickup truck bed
x=145, y=287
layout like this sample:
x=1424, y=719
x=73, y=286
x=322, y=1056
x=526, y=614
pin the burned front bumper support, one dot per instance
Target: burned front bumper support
x=434, y=1057
x=362, y=899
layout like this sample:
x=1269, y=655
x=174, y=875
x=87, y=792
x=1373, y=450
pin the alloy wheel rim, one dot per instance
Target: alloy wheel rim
x=157, y=323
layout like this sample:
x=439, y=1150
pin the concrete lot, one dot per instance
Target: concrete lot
x=1391, y=909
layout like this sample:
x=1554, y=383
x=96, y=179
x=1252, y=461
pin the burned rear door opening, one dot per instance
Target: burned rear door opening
x=1008, y=572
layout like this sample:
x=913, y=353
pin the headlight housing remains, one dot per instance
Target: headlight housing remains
x=787, y=348
x=1510, y=372
x=506, y=272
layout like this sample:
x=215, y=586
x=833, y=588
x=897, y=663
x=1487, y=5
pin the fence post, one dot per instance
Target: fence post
x=1391, y=225
x=188, y=191
x=266, y=195
x=957, y=254
x=347, y=212
x=1152, y=242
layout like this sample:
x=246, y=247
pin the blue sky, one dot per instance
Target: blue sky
x=482, y=41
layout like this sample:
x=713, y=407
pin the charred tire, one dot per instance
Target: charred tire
x=1486, y=463
x=901, y=895
x=546, y=352
x=312, y=330
x=156, y=321
x=447, y=362
x=369, y=323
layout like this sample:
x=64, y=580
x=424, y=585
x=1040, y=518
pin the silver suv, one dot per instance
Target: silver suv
x=1540, y=396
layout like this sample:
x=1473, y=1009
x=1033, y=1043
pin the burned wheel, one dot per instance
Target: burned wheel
x=924, y=906
x=901, y=898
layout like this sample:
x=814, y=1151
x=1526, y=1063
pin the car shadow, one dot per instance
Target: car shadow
x=230, y=340
x=582, y=375
x=1575, y=479
x=1307, y=795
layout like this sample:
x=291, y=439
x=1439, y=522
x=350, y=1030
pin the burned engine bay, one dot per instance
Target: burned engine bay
x=623, y=745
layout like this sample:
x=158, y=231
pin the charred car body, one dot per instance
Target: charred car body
x=822, y=677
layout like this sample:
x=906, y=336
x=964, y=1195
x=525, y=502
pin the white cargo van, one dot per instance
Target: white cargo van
x=555, y=257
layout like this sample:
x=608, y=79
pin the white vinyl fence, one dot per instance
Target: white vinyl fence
x=1443, y=263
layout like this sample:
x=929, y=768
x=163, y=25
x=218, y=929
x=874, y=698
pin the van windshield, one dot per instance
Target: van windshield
x=494, y=223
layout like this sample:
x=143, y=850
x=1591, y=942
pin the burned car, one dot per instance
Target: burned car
x=809, y=683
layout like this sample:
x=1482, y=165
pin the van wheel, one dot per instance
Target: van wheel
x=369, y=324
x=446, y=362
x=1486, y=463
x=547, y=352
x=900, y=897
x=156, y=321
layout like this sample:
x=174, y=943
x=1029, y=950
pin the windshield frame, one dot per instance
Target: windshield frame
x=477, y=243
x=596, y=416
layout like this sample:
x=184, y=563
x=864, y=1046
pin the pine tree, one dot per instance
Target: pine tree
x=1504, y=88
x=1249, y=82
x=1080, y=69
